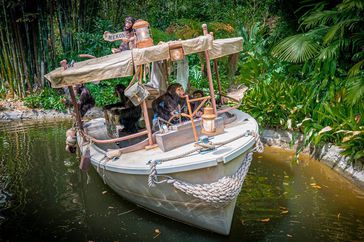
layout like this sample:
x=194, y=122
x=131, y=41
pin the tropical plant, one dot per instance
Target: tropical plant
x=333, y=35
x=47, y=98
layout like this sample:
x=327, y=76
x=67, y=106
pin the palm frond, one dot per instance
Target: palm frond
x=329, y=52
x=347, y=24
x=356, y=90
x=319, y=18
x=313, y=6
x=344, y=43
x=296, y=48
x=351, y=5
x=358, y=56
x=355, y=69
x=331, y=33
x=358, y=39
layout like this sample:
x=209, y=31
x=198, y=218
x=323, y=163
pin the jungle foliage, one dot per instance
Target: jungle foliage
x=315, y=85
x=302, y=62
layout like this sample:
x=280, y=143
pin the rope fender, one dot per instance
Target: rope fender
x=219, y=193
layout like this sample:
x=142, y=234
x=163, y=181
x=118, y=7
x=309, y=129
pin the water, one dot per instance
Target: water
x=44, y=197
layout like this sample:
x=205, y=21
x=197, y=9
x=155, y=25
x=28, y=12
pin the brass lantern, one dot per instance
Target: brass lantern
x=208, y=121
x=142, y=32
x=176, y=51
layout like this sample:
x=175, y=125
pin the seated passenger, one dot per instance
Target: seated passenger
x=170, y=103
x=129, y=114
x=86, y=101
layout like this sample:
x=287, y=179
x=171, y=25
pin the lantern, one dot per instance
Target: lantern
x=208, y=121
x=176, y=51
x=142, y=32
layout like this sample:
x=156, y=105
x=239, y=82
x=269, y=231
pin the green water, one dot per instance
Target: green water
x=45, y=197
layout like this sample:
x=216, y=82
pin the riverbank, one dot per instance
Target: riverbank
x=16, y=111
x=329, y=154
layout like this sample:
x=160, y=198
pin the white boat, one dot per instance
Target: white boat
x=177, y=173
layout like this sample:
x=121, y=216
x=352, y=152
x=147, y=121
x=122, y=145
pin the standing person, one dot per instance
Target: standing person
x=86, y=101
x=129, y=114
x=127, y=43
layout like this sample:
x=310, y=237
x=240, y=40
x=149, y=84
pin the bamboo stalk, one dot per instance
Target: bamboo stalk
x=22, y=57
x=18, y=61
x=7, y=54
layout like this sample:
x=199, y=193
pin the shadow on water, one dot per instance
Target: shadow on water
x=44, y=196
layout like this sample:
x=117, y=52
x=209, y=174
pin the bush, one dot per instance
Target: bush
x=104, y=92
x=47, y=99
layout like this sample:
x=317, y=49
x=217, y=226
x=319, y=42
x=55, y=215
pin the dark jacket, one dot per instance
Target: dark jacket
x=165, y=105
x=86, y=101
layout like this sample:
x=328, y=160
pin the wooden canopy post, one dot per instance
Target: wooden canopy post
x=75, y=108
x=145, y=112
x=216, y=67
x=209, y=75
x=195, y=136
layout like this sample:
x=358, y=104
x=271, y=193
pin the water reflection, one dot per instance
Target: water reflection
x=44, y=196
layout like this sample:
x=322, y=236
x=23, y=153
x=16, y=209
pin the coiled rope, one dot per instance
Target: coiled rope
x=219, y=193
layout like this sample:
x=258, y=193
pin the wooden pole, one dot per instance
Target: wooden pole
x=209, y=75
x=192, y=120
x=76, y=110
x=145, y=113
x=75, y=107
x=216, y=67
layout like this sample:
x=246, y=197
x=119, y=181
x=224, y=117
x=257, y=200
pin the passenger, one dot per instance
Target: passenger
x=129, y=114
x=66, y=100
x=86, y=101
x=127, y=43
x=170, y=103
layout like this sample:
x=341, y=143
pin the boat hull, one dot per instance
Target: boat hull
x=128, y=174
x=168, y=201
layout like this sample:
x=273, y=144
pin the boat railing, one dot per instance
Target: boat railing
x=108, y=141
x=192, y=113
x=236, y=105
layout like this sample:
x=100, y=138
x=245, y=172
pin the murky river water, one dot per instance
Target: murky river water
x=44, y=197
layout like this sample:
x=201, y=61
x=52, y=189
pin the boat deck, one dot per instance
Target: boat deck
x=136, y=162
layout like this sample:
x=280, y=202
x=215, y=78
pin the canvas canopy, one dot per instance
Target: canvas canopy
x=150, y=54
x=106, y=67
x=223, y=47
x=121, y=64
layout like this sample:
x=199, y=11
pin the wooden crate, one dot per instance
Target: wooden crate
x=184, y=134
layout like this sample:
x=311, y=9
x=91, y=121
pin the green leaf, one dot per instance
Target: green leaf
x=296, y=48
